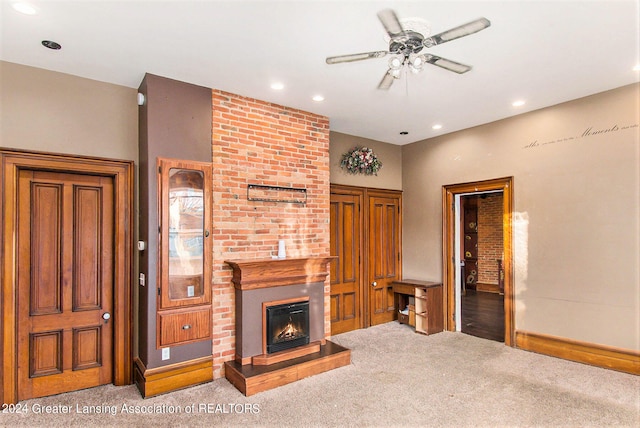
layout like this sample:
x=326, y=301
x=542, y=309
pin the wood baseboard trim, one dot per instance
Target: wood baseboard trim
x=250, y=379
x=488, y=288
x=607, y=357
x=160, y=380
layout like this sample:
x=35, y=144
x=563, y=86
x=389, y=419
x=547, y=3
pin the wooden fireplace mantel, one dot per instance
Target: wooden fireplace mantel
x=263, y=273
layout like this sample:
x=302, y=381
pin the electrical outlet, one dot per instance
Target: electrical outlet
x=166, y=353
x=191, y=291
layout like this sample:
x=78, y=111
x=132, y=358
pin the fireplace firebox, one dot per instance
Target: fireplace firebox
x=287, y=326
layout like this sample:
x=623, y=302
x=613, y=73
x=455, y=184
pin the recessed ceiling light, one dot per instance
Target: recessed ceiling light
x=517, y=103
x=318, y=98
x=51, y=45
x=436, y=126
x=277, y=86
x=25, y=8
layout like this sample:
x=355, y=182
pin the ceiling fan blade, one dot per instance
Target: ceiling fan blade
x=386, y=81
x=390, y=22
x=355, y=57
x=455, y=33
x=456, y=67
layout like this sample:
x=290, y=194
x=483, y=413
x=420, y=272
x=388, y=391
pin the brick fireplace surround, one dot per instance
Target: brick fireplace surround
x=254, y=142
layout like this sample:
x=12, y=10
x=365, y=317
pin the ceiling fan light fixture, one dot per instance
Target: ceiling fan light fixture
x=416, y=63
x=395, y=62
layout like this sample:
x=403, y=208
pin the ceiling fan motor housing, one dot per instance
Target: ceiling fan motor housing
x=407, y=43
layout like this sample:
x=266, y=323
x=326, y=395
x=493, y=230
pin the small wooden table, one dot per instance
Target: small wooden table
x=427, y=296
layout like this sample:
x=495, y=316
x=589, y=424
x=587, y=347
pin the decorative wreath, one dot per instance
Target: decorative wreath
x=361, y=160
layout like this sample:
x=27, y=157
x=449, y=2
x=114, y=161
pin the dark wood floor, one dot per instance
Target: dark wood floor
x=483, y=315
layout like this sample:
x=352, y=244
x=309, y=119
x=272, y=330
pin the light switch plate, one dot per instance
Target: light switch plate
x=166, y=353
x=191, y=291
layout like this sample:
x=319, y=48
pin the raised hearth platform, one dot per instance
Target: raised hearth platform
x=251, y=379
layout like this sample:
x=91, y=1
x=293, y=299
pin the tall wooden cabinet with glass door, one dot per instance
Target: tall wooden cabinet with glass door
x=184, y=292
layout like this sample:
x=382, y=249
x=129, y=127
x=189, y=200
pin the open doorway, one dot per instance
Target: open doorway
x=481, y=255
x=461, y=263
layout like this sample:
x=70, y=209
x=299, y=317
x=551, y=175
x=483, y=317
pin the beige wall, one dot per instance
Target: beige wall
x=59, y=113
x=389, y=176
x=53, y=112
x=577, y=206
x=577, y=210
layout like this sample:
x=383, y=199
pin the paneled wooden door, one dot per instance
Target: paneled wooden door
x=384, y=253
x=65, y=282
x=346, y=279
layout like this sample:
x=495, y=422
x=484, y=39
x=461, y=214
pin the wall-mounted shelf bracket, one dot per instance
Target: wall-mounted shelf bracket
x=292, y=195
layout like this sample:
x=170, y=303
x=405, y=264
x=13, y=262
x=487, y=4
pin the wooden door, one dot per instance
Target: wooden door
x=384, y=253
x=346, y=245
x=65, y=282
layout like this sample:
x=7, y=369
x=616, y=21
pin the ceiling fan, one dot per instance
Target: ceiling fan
x=406, y=45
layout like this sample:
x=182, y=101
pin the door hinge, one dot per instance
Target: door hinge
x=158, y=291
x=159, y=170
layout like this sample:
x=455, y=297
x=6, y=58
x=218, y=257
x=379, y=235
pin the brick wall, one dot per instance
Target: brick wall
x=489, y=237
x=256, y=142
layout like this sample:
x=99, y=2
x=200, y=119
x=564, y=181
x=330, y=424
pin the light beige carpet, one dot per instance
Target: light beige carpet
x=397, y=378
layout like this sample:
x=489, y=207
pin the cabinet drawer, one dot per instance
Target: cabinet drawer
x=178, y=327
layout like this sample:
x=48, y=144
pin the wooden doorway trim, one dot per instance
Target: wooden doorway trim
x=448, y=245
x=12, y=161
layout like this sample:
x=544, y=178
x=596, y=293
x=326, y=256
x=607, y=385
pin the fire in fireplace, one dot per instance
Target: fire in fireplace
x=287, y=326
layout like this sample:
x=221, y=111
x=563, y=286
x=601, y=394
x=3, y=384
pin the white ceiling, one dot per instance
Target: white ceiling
x=545, y=52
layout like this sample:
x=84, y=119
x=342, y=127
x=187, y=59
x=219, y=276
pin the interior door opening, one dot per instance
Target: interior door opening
x=459, y=267
x=479, y=291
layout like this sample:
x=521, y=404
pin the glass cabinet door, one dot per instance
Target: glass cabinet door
x=184, y=233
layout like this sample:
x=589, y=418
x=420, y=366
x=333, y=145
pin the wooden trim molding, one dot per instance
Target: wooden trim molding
x=11, y=162
x=448, y=248
x=607, y=357
x=264, y=273
x=160, y=380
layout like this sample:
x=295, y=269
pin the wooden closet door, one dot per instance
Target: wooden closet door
x=346, y=244
x=65, y=282
x=384, y=253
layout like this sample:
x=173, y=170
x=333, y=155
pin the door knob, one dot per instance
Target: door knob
x=374, y=283
x=106, y=316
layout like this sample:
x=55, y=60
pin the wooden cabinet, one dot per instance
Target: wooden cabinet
x=184, y=289
x=429, y=316
x=427, y=297
x=184, y=325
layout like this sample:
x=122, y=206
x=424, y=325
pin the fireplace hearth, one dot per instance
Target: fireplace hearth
x=287, y=326
x=280, y=323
